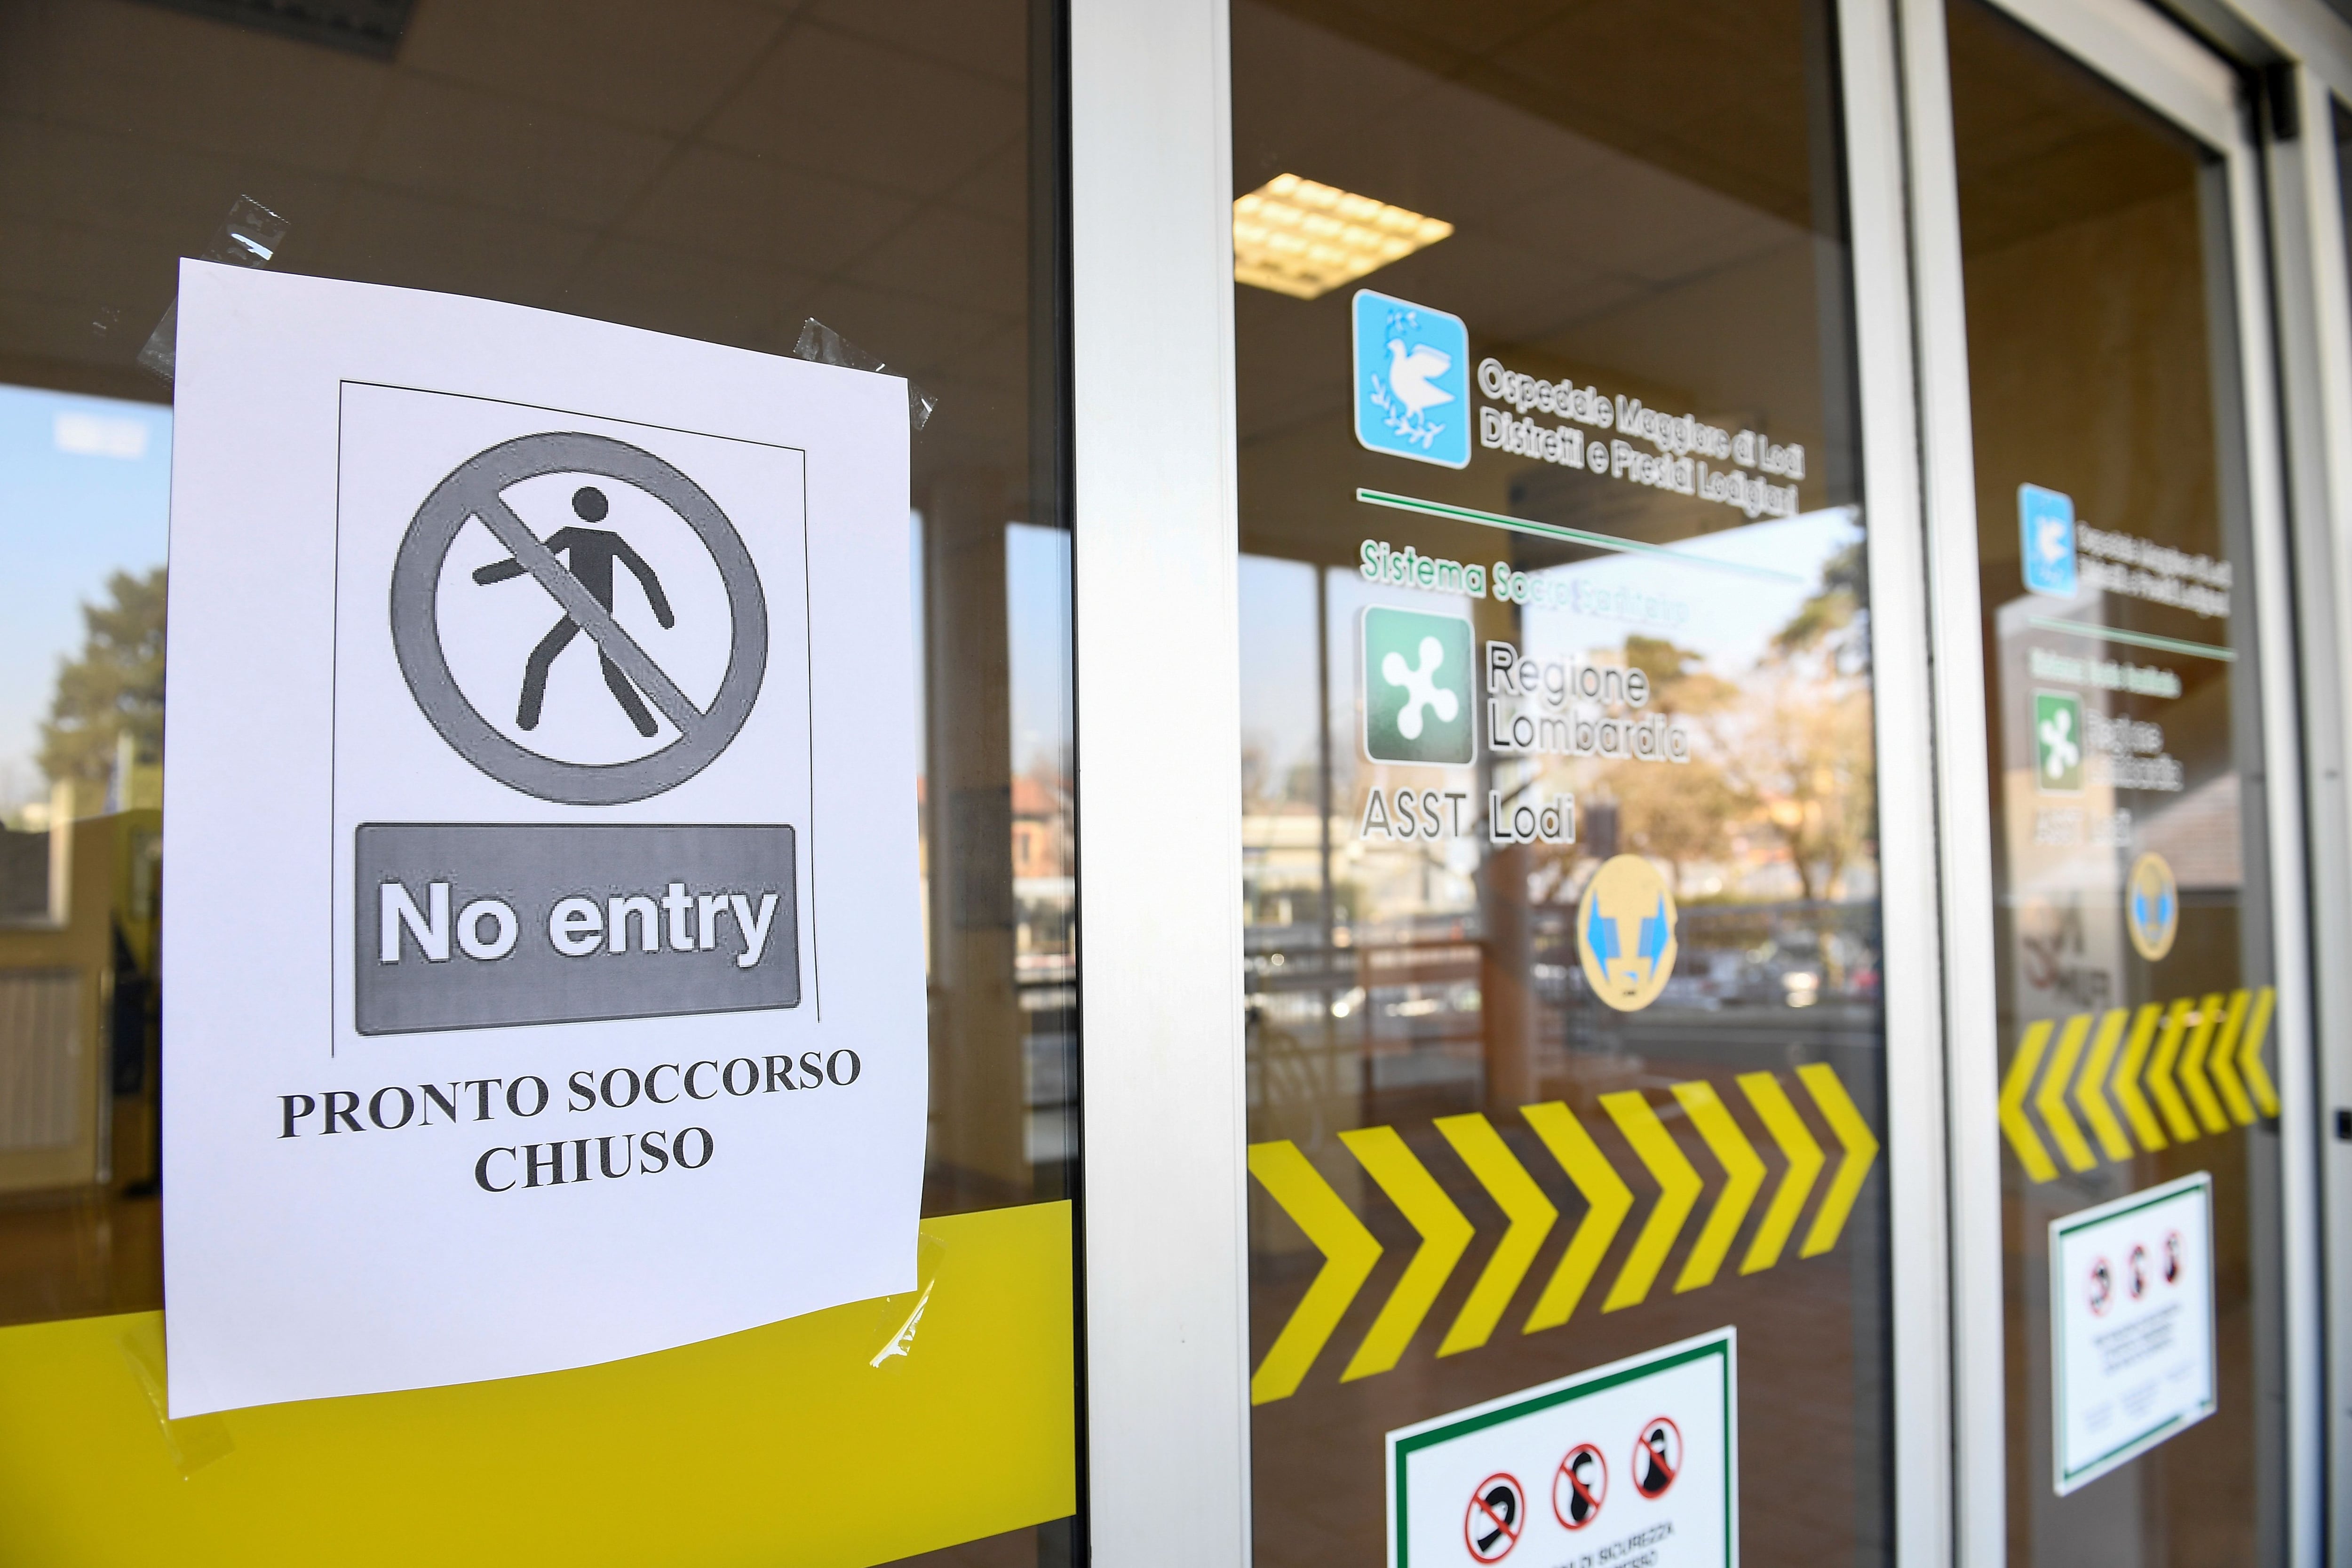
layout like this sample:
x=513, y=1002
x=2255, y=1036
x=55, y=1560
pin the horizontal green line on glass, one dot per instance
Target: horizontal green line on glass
x=1570, y=535
x=2136, y=639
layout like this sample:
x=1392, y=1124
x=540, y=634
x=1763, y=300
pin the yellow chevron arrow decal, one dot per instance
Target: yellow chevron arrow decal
x=1861, y=1149
x=1349, y=1253
x=1678, y=1189
x=2095, y=1110
x=2160, y=1077
x=1743, y=1175
x=2249, y=1054
x=2052, y=1099
x=2127, y=1085
x=1531, y=1213
x=2224, y=1069
x=2192, y=1066
x=1608, y=1198
x=1445, y=1234
x=1804, y=1157
x=2013, y=1085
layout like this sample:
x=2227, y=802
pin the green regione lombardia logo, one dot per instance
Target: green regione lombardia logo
x=1417, y=706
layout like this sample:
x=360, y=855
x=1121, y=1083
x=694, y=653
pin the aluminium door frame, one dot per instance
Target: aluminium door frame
x=2312, y=47
x=1165, y=1265
x=1918, y=1164
x=2150, y=58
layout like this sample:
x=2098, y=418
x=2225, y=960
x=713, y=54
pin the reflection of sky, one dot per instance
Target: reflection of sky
x=1038, y=615
x=1037, y=606
x=85, y=490
x=1278, y=660
x=1728, y=617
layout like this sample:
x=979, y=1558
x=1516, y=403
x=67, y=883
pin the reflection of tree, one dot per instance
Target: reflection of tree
x=1806, y=758
x=1676, y=814
x=1804, y=752
x=1677, y=682
x=114, y=688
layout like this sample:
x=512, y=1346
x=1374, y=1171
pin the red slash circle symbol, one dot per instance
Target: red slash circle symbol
x=1496, y=1514
x=1657, y=1457
x=1579, y=1486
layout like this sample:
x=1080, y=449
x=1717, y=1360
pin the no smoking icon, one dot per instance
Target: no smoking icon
x=477, y=489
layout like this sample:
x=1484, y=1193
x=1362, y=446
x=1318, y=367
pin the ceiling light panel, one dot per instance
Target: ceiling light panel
x=1301, y=238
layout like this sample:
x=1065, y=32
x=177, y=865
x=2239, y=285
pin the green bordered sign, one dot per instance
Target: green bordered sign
x=1631, y=1464
x=2131, y=1327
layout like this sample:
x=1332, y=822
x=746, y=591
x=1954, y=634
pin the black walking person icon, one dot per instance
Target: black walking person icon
x=593, y=550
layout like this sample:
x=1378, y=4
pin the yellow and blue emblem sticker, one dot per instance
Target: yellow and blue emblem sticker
x=1625, y=932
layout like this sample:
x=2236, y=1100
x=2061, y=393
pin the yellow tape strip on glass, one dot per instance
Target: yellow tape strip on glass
x=847, y=1437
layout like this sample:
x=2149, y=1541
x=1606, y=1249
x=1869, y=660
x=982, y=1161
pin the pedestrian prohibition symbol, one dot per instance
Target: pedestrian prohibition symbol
x=476, y=488
x=1496, y=1514
x=1580, y=1485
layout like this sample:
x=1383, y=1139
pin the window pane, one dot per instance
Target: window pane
x=1559, y=788
x=739, y=172
x=2123, y=726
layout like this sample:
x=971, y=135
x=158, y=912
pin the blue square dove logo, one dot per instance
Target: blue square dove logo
x=1412, y=381
x=2045, y=521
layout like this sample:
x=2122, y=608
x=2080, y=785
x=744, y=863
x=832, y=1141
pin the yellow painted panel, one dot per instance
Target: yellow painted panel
x=785, y=1444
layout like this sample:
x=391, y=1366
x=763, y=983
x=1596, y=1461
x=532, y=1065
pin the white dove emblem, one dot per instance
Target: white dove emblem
x=1409, y=374
x=2050, y=539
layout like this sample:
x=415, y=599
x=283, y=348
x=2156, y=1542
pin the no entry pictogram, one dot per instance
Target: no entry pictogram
x=476, y=488
x=1496, y=1515
x=1580, y=1485
x=1657, y=1457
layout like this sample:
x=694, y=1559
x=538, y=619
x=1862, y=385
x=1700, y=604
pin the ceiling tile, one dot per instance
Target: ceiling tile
x=693, y=293
x=954, y=258
x=389, y=236
x=826, y=101
x=660, y=67
x=203, y=84
x=459, y=144
x=987, y=36
x=914, y=337
x=762, y=211
x=1000, y=188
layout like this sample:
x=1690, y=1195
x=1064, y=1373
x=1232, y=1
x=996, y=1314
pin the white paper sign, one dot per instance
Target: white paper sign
x=545, y=979
x=1631, y=1464
x=2131, y=1326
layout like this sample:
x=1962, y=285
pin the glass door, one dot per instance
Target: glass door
x=1561, y=790
x=2137, y=777
x=870, y=187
